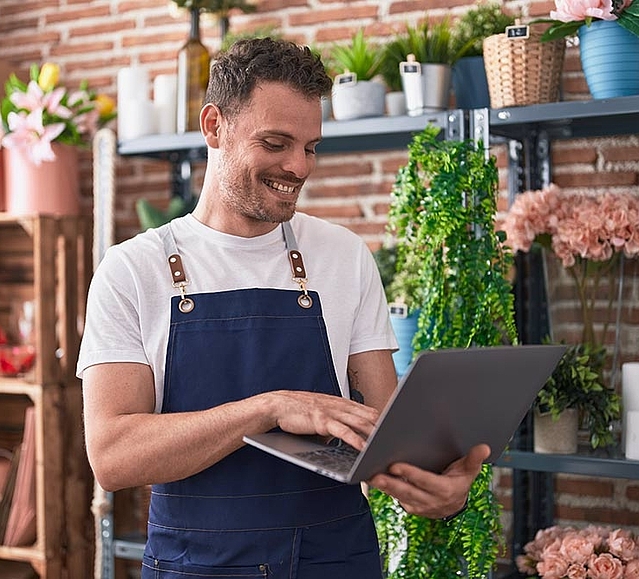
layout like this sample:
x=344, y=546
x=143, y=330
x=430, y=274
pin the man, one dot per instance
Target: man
x=240, y=318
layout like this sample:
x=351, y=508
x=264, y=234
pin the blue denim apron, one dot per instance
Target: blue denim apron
x=251, y=514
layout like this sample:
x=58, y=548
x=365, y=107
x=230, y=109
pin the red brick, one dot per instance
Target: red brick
x=355, y=168
x=599, y=179
x=584, y=486
x=570, y=155
x=621, y=153
x=333, y=15
x=332, y=211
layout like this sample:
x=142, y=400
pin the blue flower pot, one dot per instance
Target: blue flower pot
x=610, y=59
x=404, y=328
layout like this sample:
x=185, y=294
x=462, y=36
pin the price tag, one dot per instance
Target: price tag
x=518, y=31
x=398, y=310
x=410, y=67
x=345, y=78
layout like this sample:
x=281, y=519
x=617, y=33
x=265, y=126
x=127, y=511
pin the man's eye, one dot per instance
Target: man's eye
x=311, y=151
x=273, y=146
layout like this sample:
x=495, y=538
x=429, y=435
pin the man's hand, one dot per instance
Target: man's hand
x=431, y=495
x=303, y=412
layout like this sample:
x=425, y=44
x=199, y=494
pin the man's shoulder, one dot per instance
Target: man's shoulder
x=330, y=232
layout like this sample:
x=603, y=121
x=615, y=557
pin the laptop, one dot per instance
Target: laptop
x=447, y=401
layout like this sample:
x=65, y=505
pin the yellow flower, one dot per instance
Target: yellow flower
x=105, y=105
x=49, y=76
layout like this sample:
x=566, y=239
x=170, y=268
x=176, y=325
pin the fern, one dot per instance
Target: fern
x=450, y=265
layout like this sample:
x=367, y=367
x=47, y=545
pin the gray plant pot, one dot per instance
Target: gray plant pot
x=365, y=98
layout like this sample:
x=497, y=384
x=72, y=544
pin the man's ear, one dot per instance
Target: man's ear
x=210, y=120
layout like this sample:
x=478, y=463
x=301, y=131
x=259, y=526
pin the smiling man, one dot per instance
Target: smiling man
x=244, y=317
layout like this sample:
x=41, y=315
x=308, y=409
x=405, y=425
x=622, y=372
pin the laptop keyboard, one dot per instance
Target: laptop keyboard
x=336, y=458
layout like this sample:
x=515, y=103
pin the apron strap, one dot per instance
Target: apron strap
x=178, y=275
x=297, y=264
x=179, y=279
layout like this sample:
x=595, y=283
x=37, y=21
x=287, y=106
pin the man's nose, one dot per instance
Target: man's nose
x=300, y=163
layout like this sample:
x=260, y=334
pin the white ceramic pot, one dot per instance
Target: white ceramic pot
x=365, y=98
x=395, y=103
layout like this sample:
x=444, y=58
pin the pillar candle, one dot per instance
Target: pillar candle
x=165, y=102
x=632, y=434
x=629, y=393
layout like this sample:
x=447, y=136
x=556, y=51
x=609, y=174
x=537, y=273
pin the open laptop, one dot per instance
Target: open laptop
x=448, y=401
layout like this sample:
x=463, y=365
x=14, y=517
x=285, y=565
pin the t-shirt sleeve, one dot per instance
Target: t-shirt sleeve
x=112, y=327
x=372, y=328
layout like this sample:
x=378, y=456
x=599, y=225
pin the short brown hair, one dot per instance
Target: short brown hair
x=247, y=63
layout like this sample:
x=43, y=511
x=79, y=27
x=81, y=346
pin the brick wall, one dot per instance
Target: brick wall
x=94, y=39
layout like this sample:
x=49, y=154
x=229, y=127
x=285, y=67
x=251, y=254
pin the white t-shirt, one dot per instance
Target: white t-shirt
x=128, y=310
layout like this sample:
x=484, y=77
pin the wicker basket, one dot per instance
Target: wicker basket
x=523, y=71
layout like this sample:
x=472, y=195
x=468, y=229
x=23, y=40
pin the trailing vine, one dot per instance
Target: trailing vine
x=452, y=267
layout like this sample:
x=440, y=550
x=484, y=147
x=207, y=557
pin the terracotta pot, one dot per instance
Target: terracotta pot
x=52, y=187
x=556, y=436
x=2, y=203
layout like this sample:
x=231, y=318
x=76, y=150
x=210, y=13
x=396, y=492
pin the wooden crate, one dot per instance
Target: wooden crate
x=47, y=259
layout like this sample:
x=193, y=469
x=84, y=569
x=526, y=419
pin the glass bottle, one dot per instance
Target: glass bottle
x=193, y=76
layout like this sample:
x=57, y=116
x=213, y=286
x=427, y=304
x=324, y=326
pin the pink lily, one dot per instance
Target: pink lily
x=28, y=132
x=36, y=98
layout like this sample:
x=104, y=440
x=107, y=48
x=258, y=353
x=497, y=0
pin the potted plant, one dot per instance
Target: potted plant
x=430, y=46
x=454, y=269
x=469, y=75
x=355, y=92
x=603, y=28
x=575, y=395
x=42, y=127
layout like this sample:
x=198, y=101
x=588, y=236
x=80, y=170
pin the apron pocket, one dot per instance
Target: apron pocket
x=158, y=569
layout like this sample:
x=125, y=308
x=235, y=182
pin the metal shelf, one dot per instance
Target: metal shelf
x=610, y=464
x=376, y=133
x=568, y=119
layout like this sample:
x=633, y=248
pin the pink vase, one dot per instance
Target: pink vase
x=52, y=187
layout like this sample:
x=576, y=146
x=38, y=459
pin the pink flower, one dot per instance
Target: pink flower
x=577, y=548
x=632, y=570
x=574, y=10
x=28, y=133
x=605, y=566
x=553, y=565
x=622, y=544
x=576, y=571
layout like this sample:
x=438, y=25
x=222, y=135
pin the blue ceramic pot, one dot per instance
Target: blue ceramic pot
x=404, y=328
x=610, y=59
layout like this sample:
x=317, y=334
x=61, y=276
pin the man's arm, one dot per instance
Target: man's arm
x=419, y=492
x=128, y=445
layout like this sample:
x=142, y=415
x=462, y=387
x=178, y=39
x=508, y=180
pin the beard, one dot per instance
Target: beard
x=248, y=197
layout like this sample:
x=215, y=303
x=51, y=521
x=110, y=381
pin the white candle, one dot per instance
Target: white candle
x=165, y=102
x=632, y=434
x=133, y=89
x=629, y=393
x=136, y=119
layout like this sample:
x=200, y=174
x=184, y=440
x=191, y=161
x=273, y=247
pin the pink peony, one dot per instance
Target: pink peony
x=577, y=548
x=622, y=544
x=605, y=566
x=632, y=570
x=553, y=565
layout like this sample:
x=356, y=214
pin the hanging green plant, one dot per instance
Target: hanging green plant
x=452, y=267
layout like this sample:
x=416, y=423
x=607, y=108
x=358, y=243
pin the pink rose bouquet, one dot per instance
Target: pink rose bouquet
x=570, y=15
x=36, y=114
x=593, y=552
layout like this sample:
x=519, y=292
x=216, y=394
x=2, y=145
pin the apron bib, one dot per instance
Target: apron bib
x=252, y=514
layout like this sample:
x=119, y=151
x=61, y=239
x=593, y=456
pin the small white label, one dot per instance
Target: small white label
x=345, y=78
x=518, y=31
x=410, y=68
